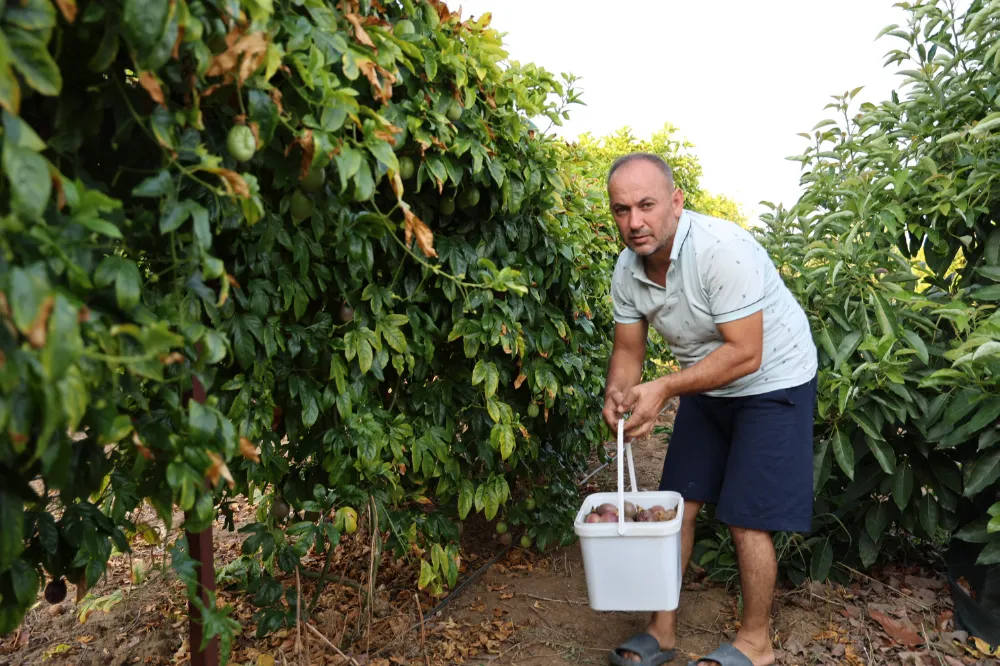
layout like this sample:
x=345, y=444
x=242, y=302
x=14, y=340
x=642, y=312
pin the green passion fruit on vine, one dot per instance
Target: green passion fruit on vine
x=526, y=541
x=501, y=527
x=529, y=504
x=446, y=206
x=454, y=111
x=468, y=198
x=241, y=143
x=314, y=180
x=533, y=410
x=406, y=167
x=301, y=206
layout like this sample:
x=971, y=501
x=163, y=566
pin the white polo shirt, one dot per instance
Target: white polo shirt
x=718, y=273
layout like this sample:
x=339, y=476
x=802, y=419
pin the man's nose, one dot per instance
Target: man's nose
x=635, y=221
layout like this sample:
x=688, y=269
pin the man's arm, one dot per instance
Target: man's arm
x=738, y=356
x=625, y=368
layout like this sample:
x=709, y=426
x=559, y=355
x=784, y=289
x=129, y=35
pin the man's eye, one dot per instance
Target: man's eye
x=647, y=205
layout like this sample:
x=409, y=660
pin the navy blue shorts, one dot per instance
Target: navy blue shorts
x=751, y=456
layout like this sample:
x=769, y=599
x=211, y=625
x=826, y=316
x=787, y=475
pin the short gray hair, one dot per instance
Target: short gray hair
x=652, y=158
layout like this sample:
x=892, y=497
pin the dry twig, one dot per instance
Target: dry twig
x=332, y=646
x=423, y=635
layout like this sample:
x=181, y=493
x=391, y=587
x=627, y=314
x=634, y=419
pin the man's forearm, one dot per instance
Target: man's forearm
x=723, y=366
x=623, y=372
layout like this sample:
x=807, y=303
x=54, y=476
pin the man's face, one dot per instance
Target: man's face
x=645, y=205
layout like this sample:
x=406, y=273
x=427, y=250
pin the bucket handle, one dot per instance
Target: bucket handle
x=624, y=450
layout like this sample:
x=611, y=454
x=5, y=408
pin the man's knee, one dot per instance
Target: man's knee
x=746, y=535
x=691, y=510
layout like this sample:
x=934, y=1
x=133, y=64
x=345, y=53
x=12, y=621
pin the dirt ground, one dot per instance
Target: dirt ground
x=526, y=609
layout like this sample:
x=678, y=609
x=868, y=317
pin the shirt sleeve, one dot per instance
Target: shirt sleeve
x=623, y=293
x=734, y=280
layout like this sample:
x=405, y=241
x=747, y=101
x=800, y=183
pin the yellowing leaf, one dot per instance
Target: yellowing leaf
x=151, y=84
x=985, y=647
x=143, y=450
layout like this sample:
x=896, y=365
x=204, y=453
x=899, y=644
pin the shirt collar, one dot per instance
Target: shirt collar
x=683, y=229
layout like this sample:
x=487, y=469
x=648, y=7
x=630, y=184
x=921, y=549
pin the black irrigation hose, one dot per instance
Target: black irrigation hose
x=444, y=602
x=429, y=614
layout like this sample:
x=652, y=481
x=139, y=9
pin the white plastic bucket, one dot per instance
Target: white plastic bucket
x=631, y=566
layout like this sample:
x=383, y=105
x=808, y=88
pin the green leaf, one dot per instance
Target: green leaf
x=365, y=354
x=902, y=485
x=145, y=21
x=974, y=532
x=928, y=514
x=154, y=186
x=24, y=579
x=465, y=499
x=11, y=529
x=479, y=372
x=843, y=451
x=37, y=15
x=28, y=291
x=127, y=284
x=868, y=548
x=492, y=380
x=19, y=133
x=992, y=272
x=862, y=420
x=30, y=183
x=427, y=575
x=384, y=154
x=917, y=345
x=64, y=342
x=883, y=453
x=506, y=441
x=988, y=413
x=175, y=216
x=100, y=226
x=821, y=561
x=847, y=347
x=32, y=59
x=491, y=502
x=480, y=497
x=990, y=555
x=877, y=519
x=48, y=533
x=981, y=472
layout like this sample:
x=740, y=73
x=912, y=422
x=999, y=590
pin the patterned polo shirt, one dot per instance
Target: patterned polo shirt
x=718, y=273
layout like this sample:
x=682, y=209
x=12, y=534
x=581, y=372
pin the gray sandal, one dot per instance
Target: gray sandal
x=725, y=655
x=644, y=645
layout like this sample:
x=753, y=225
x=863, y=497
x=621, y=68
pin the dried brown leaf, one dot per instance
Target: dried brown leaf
x=243, y=55
x=143, y=450
x=897, y=631
x=308, y=151
x=233, y=182
x=151, y=84
x=248, y=450
x=520, y=380
x=57, y=185
x=360, y=33
x=416, y=227
x=217, y=470
x=68, y=9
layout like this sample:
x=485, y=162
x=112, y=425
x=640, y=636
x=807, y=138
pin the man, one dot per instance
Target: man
x=742, y=439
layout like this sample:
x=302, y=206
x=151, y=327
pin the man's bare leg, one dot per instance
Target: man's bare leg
x=758, y=572
x=663, y=624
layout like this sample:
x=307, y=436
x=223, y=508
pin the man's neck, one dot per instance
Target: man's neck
x=656, y=264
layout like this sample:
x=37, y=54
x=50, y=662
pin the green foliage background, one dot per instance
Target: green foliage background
x=399, y=303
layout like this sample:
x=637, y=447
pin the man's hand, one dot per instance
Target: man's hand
x=614, y=408
x=645, y=401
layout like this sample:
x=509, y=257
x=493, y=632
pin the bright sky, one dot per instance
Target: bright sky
x=739, y=79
